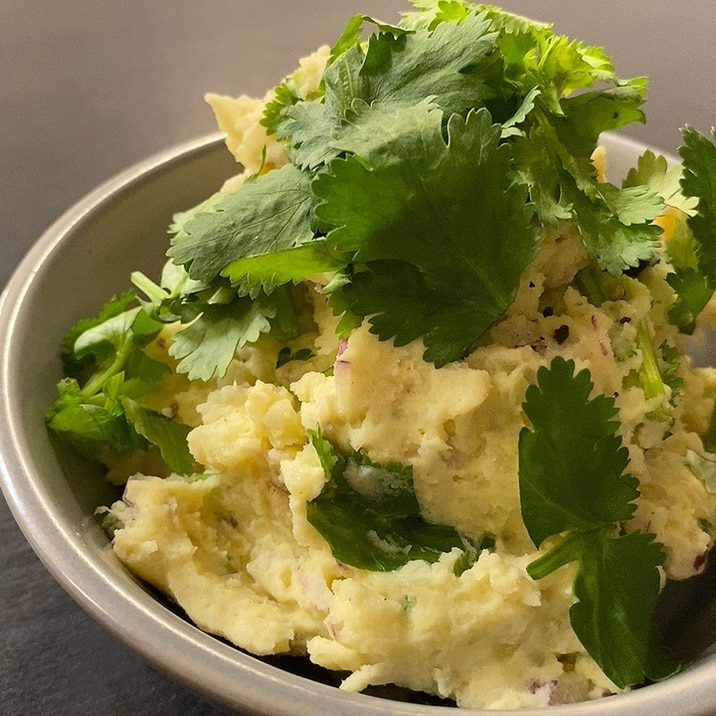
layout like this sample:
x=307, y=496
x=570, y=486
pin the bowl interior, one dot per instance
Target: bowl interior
x=83, y=259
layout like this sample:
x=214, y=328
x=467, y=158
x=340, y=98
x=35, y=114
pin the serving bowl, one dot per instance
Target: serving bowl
x=82, y=259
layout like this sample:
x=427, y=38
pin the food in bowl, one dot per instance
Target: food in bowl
x=411, y=395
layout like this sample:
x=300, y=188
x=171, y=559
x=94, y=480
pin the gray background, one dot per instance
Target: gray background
x=88, y=87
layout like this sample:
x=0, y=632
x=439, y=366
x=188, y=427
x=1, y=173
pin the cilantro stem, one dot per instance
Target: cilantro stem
x=649, y=374
x=562, y=553
x=95, y=384
x=589, y=283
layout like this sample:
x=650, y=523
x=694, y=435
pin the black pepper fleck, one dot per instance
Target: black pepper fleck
x=561, y=334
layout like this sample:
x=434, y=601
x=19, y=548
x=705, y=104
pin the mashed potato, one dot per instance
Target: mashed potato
x=233, y=545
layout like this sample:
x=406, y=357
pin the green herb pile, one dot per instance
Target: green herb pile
x=420, y=179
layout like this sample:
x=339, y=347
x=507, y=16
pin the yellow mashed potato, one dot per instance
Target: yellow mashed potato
x=234, y=548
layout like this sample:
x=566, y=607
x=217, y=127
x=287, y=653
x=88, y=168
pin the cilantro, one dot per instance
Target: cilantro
x=286, y=356
x=616, y=589
x=353, y=31
x=206, y=347
x=94, y=422
x=267, y=271
x=109, y=369
x=694, y=277
x=571, y=463
x=653, y=171
x=669, y=369
x=369, y=515
x=699, y=180
x=215, y=319
x=417, y=169
x=569, y=94
x=573, y=485
x=617, y=244
x=117, y=306
x=447, y=64
x=431, y=221
x=265, y=214
x=395, y=70
x=109, y=521
x=167, y=434
x=275, y=110
x=693, y=288
x=693, y=291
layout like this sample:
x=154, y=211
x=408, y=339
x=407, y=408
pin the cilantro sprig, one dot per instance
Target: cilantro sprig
x=109, y=370
x=573, y=488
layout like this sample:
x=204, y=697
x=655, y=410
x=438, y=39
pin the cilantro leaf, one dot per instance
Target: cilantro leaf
x=275, y=110
x=631, y=205
x=653, y=171
x=555, y=161
x=268, y=213
x=614, y=244
x=206, y=346
x=693, y=249
x=448, y=67
x=216, y=319
x=571, y=462
x=116, y=306
x=369, y=515
x=572, y=483
x=693, y=291
x=588, y=115
x=699, y=180
x=167, y=434
x=441, y=229
x=291, y=265
x=96, y=422
x=448, y=63
x=353, y=31
x=575, y=96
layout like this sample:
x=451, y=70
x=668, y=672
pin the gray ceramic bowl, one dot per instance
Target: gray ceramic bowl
x=118, y=228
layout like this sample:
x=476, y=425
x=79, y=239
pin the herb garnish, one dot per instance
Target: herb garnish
x=573, y=487
x=694, y=279
x=107, y=354
x=369, y=514
x=419, y=175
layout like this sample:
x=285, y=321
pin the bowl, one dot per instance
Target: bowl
x=82, y=259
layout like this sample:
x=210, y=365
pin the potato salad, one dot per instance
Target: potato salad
x=411, y=397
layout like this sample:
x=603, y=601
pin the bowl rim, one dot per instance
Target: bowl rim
x=218, y=671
